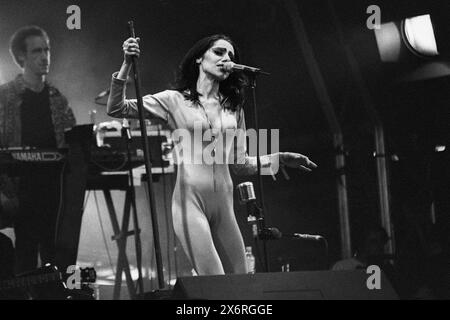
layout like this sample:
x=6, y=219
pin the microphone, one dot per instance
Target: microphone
x=247, y=196
x=102, y=94
x=231, y=66
x=307, y=236
x=274, y=234
x=246, y=192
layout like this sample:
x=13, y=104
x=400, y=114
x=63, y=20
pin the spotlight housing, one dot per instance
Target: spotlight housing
x=419, y=36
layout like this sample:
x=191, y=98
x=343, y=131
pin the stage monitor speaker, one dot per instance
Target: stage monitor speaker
x=307, y=285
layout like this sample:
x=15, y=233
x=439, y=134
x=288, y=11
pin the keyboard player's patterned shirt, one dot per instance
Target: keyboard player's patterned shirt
x=10, y=124
x=10, y=102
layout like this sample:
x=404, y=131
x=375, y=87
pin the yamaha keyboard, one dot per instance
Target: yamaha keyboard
x=19, y=155
x=13, y=160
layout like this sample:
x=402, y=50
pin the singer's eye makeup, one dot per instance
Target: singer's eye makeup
x=219, y=51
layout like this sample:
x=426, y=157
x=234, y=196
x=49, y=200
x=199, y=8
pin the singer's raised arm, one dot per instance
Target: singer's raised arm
x=156, y=106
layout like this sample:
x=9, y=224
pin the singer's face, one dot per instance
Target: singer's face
x=37, y=56
x=212, y=61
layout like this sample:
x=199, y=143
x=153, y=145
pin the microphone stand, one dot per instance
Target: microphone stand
x=264, y=233
x=126, y=134
x=261, y=222
x=256, y=220
x=148, y=166
x=259, y=229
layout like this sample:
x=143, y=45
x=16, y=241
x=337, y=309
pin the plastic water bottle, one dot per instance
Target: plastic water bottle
x=250, y=260
x=96, y=291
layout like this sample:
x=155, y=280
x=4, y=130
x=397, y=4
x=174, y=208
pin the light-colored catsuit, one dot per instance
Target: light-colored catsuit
x=202, y=202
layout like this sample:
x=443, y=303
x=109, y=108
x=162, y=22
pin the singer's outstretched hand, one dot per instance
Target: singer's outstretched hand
x=296, y=160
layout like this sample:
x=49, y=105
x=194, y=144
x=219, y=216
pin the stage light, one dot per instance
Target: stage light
x=419, y=36
x=417, y=48
x=396, y=40
x=440, y=148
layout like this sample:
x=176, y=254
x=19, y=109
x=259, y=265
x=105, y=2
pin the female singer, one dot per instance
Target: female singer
x=207, y=96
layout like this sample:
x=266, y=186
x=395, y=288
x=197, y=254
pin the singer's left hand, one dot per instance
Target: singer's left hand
x=297, y=161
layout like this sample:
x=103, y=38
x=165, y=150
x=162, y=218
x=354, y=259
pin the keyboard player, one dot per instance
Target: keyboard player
x=33, y=113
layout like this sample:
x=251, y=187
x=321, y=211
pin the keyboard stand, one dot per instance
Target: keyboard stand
x=106, y=183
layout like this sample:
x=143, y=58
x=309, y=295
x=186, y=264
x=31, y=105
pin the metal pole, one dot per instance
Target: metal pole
x=330, y=114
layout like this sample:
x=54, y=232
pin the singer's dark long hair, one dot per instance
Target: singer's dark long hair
x=232, y=88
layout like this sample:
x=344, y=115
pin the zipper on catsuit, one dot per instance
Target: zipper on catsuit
x=214, y=149
x=214, y=169
x=214, y=162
